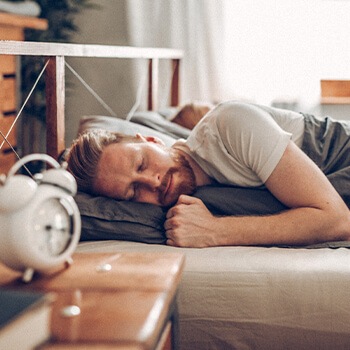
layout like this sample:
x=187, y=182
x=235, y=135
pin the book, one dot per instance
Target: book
x=24, y=319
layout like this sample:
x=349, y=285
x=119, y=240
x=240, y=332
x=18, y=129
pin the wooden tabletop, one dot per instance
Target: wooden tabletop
x=124, y=299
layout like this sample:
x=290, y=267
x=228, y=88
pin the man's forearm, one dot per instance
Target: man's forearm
x=192, y=225
x=299, y=226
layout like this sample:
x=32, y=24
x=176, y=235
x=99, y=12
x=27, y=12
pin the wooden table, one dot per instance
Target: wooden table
x=126, y=300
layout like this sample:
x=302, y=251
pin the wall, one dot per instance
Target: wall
x=281, y=49
x=105, y=25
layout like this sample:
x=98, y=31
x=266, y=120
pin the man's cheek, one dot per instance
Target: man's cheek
x=151, y=198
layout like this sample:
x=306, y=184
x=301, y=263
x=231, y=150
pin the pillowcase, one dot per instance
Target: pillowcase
x=105, y=218
x=146, y=123
x=157, y=121
x=108, y=219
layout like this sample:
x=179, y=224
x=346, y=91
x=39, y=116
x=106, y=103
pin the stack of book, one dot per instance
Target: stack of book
x=24, y=319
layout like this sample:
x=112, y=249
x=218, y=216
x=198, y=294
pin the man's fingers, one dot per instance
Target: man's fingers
x=184, y=199
x=170, y=242
x=167, y=225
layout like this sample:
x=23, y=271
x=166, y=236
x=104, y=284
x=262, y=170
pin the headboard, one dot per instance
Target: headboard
x=55, y=76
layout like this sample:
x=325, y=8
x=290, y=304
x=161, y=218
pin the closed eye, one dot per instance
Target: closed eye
x=142, y=165
x=135, y=192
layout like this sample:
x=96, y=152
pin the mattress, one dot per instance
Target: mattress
x=256, y=297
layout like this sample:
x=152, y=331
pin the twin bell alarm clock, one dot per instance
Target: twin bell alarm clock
x=40, y=222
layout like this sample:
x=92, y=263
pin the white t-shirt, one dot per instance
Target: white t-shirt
x=241, y=144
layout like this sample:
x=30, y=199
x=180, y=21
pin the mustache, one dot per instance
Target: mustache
x=186, y=183
x=165, y=181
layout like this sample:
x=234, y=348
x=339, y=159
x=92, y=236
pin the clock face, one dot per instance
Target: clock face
x=52, y=227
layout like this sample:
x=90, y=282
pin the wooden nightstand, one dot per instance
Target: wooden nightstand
x=111, y=301
x=11, y=28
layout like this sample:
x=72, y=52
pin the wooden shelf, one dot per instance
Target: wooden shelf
x=11, y=28
x=335, y=91
x=335, y=100
x=23, y=21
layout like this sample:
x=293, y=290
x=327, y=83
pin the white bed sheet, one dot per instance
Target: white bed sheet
x=258, y=298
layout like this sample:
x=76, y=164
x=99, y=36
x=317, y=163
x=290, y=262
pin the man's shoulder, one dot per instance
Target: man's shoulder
x=233, y=118
x=237, y=114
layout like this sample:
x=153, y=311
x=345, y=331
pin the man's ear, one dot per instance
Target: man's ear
x=150, y=139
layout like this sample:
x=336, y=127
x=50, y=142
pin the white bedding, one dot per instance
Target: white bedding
x=258, y=298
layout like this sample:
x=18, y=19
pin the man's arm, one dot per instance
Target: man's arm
x=317, y=213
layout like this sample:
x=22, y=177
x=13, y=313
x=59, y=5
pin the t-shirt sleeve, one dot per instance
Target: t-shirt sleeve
x=252, y=136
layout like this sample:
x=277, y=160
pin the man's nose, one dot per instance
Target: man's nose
x=151, y=180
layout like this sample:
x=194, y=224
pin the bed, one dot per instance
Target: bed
x=230, y=297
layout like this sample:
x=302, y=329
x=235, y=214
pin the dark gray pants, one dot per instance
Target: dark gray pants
x=327, y=143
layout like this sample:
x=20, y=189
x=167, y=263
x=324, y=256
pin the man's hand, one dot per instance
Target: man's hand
x=190, y=224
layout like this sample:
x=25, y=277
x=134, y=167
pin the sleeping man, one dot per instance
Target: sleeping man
x=234, y=144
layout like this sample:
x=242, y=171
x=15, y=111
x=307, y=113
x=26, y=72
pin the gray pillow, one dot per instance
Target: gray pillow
x=164, y=131
x=156, y=121
x=105, y=218
x=108, y=219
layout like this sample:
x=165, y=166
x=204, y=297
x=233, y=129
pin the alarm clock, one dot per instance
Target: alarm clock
x=40, y=223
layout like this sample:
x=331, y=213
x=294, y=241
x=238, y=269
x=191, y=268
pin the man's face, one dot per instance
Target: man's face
x=144, y=171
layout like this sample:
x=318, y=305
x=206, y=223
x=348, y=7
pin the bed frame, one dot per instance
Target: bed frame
x=55, y=76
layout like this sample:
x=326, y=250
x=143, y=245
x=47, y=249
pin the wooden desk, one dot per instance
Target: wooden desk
x=126, y=300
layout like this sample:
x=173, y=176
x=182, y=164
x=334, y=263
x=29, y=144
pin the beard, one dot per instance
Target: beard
x=186, y=185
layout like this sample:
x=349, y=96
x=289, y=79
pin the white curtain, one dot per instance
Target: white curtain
x=194, y=26
x=280, y=50
x=261, y=51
